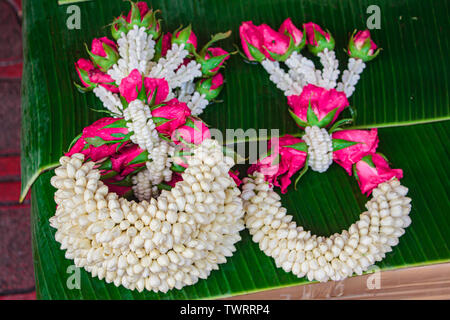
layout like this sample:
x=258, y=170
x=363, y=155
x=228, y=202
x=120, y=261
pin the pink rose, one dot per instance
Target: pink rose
x=288, y=28
x=276, y=43
x=349, y=146
x=170, y=116
x=317, y=39
x=104, y=53
x=140, y=7
x=118, y=27
x=235, y=176
x=252, y=42
x=166, y=42
x=131, y=85
x=175, y=178
x=187, y=37
x=361, y=46
x=92, y=77
x=102, y=139
x=325, y=104
x=261, y=42
x=129, y=159
x=372, y=170
x=210, y=87
x=162, y=87
x=213, y=59
x=287, y=157
x=97, y=46
x=194, y=131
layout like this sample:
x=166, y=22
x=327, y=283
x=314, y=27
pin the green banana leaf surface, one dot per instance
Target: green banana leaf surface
x=404, y=92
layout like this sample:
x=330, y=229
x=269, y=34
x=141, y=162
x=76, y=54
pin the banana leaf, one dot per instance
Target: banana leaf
x=404, y=92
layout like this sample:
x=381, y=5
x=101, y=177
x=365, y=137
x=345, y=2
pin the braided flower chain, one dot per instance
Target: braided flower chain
x=319, y=258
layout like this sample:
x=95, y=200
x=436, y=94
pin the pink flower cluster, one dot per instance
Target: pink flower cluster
x=262, y=42
x=354, y=150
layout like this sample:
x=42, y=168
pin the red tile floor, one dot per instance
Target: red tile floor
x=16, y=262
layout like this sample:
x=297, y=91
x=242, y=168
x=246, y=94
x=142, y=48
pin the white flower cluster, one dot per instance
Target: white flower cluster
x=139, y=121
x=319, y=258
x=159, y=167
x=142, y=187
x=302, y=71
x=351, y=76
x=320, y=148
x=110, y=100
x=166, y=243
x=136, y=49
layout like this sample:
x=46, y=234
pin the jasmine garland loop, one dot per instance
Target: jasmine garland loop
x=319, y=258
x=164, y=243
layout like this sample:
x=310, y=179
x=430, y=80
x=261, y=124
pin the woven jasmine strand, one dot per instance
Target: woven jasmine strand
x=351, y=76
x=186, y=90
x=303, y=68
x=320, y=148
x=110, y=100
x=166, y=66
x=138, y=117
x=282, y=79
x=197, y=103
x=330, y=71
x=142, y=188
x=136, y=49
x=159, y=167
x=184, y=74
x=319, y=258
x=157, y=245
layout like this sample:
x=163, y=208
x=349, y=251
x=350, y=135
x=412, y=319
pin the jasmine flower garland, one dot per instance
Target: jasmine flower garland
x=151, y=150
x=315, y=102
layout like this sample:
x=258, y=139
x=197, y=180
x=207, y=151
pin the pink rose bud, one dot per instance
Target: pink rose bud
x=92, y=77
x=252, y=42
x=212, y=60
x=160, y=86
x=350, y=146
x=187, y=37
x=316, y=106
x=176, y=177
x=131, y=85
x=162, y=46
x=210, y=87
x=289, y=29
x=129, y=159
x=317, y=39
x=118, y=27
x=277, y=44
x=194, y=131
x=170, y=116
x=362, y=47
x=102, y=139
x=287, y=156
x=104, y=53
x=372, y=170
x=137, y=12
x=235, y=176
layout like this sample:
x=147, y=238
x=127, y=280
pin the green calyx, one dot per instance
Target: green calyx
x=104, y=63
x=204, y=87
x=363, y=52
x=182, y=37
x=321, y=43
